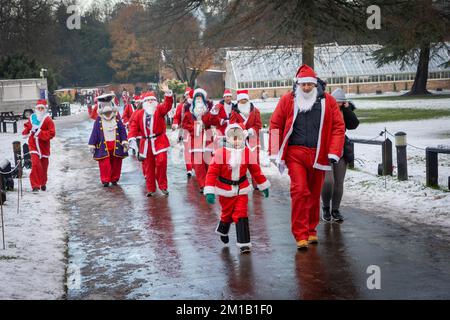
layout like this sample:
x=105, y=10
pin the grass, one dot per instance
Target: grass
x=387, y=115
x=391, y=98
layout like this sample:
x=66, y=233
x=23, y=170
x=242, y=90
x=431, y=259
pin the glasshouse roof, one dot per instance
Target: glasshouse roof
x=330, y=61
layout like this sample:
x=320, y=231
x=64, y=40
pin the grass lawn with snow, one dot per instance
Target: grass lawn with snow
x=402, y=97
x=388, y=115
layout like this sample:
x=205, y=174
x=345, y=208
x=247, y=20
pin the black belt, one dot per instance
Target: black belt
x=233, y=182
x=154, y=136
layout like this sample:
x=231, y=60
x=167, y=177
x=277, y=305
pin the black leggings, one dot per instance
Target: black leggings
x=333, y=186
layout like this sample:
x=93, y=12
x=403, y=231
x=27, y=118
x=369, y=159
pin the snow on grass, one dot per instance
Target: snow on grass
x=33, y=264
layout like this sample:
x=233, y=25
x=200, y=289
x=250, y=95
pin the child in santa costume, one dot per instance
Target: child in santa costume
x=184, y=135
x=150, y=124
x=307, y=133
x=197, y=121
x=108, y=141
x=246, y=113
x=227, y=177
x=40, y=129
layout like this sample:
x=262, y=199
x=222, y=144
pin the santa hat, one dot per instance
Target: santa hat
x=306, y=74
x=200, y=91
x=227, y=93
x=148, y=96
x=187, y=92
x=234, y=126
x=242, y=94
x=41, y=103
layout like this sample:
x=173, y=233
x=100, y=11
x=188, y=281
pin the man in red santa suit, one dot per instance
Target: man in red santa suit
x=306, y=135
x=150, y=124
x=246, y=113
x=128, y=109
x=222, y=113
x=197, y=121
x=40, y=129
x=184, y=135
x=227, y=177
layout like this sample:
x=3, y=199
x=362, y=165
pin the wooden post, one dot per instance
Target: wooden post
x=17, y=158
x=386, y=149
x=15, y=126
x=4, y=126
x=402, y=162
x=431, y=167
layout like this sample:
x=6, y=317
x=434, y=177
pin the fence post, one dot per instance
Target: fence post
x=351, y=146
x=402, y=162
x=431, y=168
x=4, y=126
x=17, y=158
x=386, y=149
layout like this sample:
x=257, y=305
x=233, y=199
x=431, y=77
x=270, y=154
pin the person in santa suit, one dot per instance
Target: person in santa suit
x=149, y=124
x=108, y=142
x=246, y=113
x=94, y=112
x=307, y=133
x=222, y=112
x=197, y=121
x=128, y=109
x=184, y=135
x=40, y=129
x=227, y=177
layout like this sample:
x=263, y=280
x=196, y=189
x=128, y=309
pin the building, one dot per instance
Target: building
x=351, y=68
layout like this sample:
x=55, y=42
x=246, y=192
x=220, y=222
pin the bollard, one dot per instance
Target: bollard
x=15, y=126
x=449, y=183
x=431, y=159
x=386, y=149
x=402, y=162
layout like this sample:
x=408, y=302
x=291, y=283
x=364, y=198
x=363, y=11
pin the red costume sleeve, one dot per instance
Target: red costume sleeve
x=27, y=128
x=277, y=126
x=48, y=133
x=337, y=130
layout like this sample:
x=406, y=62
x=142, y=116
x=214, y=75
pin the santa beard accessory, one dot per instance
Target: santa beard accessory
x=305, y=100
x=40, y=113
x=244, y=108
x=150, y=106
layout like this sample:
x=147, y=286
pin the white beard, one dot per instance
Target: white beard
x=199, y=110
x=245, y=109
x=150, y=107
x=40, y=115
x=235, y=158
x=305, y=100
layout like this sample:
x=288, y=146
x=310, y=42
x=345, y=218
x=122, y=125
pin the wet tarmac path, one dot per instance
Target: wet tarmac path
x=123, y=245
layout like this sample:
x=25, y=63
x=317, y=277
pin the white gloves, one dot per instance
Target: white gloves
x=125, y=146
x=34, y=128
x=132, y=144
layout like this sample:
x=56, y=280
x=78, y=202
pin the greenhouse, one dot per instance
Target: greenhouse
x=338, y=65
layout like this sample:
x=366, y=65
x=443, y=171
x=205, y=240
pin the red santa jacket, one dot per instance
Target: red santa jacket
x=39, y=141
x=252, y=124
x=94, y=112
x=331, y=132
x=222, y=119
x=178, y=114
x=201, y=137
x=127, y=113
x=156, y=134
x=230, y=164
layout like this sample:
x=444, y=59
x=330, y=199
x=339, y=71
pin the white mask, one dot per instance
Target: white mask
x=107, y=111
x=150, y=106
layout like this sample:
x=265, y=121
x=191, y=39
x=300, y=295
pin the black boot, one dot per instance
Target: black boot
x=337, y=216
x=222, y=229
x=106, y=184
x=243, y=235
x=326, y=214
x=43, y=188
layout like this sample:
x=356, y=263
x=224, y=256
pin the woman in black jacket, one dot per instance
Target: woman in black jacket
x=333, y=187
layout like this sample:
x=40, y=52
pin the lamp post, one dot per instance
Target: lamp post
x=402, y=165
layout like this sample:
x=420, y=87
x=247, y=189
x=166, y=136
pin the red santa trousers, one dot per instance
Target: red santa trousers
x=188, y=156
x=306, y=185
x=38, y=175
x=110, y=167
x=200, y=165
x=155, y=170
x=233, y=208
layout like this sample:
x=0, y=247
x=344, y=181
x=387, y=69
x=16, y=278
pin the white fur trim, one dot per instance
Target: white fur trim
x=307, y=80
x=201, y=91
x=333, y=156
x=230, y=193
x=251, y=132
x=209, y=190
x=168, y=93
x=265, y=185
x=240, y=245
x=322, y=167
x=242, y=96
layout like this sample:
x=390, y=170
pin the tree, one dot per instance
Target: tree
x=414, y=32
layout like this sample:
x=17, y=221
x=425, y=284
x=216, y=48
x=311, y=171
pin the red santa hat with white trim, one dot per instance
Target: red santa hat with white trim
x=187, y=92
x=41, y=103
x=148, y=96
x=306, y=74
x=236, y=126
x=242, y=94
x=227, y=93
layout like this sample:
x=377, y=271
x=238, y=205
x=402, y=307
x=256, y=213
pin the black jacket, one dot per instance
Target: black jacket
x=350, y=118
